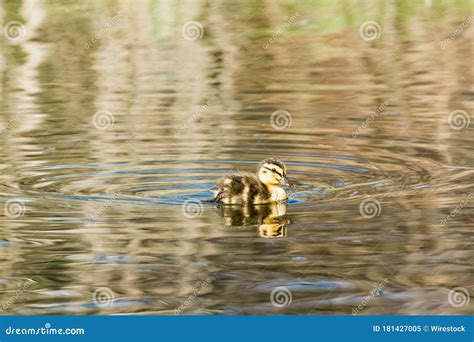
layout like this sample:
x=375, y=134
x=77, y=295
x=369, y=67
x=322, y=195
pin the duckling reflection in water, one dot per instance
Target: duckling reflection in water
x=272, y=230
x=269, y=217
x=263, y=187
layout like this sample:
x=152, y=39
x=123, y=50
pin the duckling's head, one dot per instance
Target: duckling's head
x=272, y=172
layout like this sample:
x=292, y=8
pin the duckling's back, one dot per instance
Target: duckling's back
x=241, y=188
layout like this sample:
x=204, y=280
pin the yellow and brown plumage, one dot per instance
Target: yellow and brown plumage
x=263, y=187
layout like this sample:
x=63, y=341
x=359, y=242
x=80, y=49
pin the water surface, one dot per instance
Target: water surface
x=117, y=122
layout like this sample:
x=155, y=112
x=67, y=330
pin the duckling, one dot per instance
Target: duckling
x=264, y=187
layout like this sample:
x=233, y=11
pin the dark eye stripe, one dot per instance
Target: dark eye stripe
x=275, y=171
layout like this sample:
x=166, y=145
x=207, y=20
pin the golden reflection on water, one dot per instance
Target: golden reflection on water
x=113, y=116
x=271, y=219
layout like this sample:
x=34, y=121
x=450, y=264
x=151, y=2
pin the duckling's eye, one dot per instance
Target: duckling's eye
x=274, y=170
x=264, y=171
